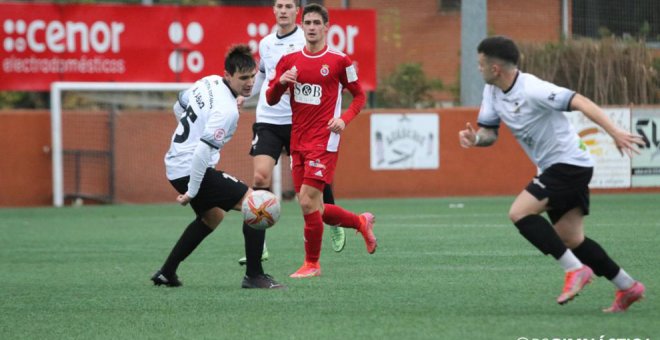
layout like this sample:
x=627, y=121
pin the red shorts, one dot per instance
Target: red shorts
x=315, y=168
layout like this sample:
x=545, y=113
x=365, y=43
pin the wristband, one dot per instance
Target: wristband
x=476, y=140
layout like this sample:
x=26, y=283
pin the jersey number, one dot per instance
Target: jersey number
x=186, y=126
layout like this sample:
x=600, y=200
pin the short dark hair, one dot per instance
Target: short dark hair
x=316, y=8
x=500, y=47
x=295, y=2
x=239, y=58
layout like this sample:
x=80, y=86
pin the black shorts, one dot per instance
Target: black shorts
x=566, y=186
x=218, y=189
x=270, y=139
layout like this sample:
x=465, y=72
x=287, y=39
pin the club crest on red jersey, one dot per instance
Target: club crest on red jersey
x=325, y=70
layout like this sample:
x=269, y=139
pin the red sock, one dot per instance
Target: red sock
x=338, y=216
x=313, y=236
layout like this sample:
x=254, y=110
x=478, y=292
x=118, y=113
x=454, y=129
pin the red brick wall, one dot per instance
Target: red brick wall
x=499, y=170
x=143, y=138
x=25, y=163
x=525, y=20
x=417, y=31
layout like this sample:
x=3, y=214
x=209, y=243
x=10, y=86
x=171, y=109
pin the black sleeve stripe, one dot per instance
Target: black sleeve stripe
x=488, y=126
x=209, y=144
x=568, y=106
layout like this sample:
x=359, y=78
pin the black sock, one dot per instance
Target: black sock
x=594, y=256
x=264, y=237
x=254, y=246
x=194, y=234
x=328, y=196
x=539, y=232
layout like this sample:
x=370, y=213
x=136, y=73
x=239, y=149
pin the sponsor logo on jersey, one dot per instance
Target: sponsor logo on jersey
x=325, y=70
x=527, y=140
x=552, y=96
x=209, y=91
x=307, y=93
x=199, y=100
x=318, y=173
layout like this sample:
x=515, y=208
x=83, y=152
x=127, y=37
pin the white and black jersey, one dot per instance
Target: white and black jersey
x=533, y=111
x=271, y=48
x=210, y=116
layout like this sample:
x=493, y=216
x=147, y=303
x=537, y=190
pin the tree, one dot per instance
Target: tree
x=407, y=87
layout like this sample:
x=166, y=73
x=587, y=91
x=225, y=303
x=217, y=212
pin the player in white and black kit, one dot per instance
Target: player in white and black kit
x=533, y=111
x=208, y=115
x=272, y=129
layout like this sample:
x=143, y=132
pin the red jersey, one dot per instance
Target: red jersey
x=316, y=96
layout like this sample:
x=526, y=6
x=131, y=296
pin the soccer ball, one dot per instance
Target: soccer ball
x=261, y=209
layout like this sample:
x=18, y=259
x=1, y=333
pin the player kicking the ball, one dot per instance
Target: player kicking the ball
x=315, y=77
x=208, y=116
x=533, y=111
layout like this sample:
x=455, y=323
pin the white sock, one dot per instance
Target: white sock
x=569, y=262
x=622, y=280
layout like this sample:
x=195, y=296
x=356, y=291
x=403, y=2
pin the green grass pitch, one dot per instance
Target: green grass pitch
x=439, y=273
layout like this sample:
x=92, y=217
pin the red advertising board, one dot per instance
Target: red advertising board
x=43, y=43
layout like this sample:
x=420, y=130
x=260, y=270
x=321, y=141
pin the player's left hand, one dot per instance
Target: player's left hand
x=183, y=199
x=240, y=100
x=627, y=142
x=289, y=76
x=336, y=125
x=468, y=137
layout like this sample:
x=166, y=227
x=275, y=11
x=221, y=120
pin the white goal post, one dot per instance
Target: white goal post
x=56, y=95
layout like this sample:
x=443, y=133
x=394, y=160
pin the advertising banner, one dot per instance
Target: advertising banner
x=405, y=141
x=43, y=43
x=611, y=170
x=646, y=165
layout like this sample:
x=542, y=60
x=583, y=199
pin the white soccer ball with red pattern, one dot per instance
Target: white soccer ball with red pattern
x=261, y=209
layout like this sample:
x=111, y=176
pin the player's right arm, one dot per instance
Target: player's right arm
x=482, y=137
x=488, y=121
x=259, y=79
x=201, y=160
x=217, y=132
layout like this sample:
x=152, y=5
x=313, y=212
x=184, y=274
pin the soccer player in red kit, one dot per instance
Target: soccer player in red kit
x=315, y=77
